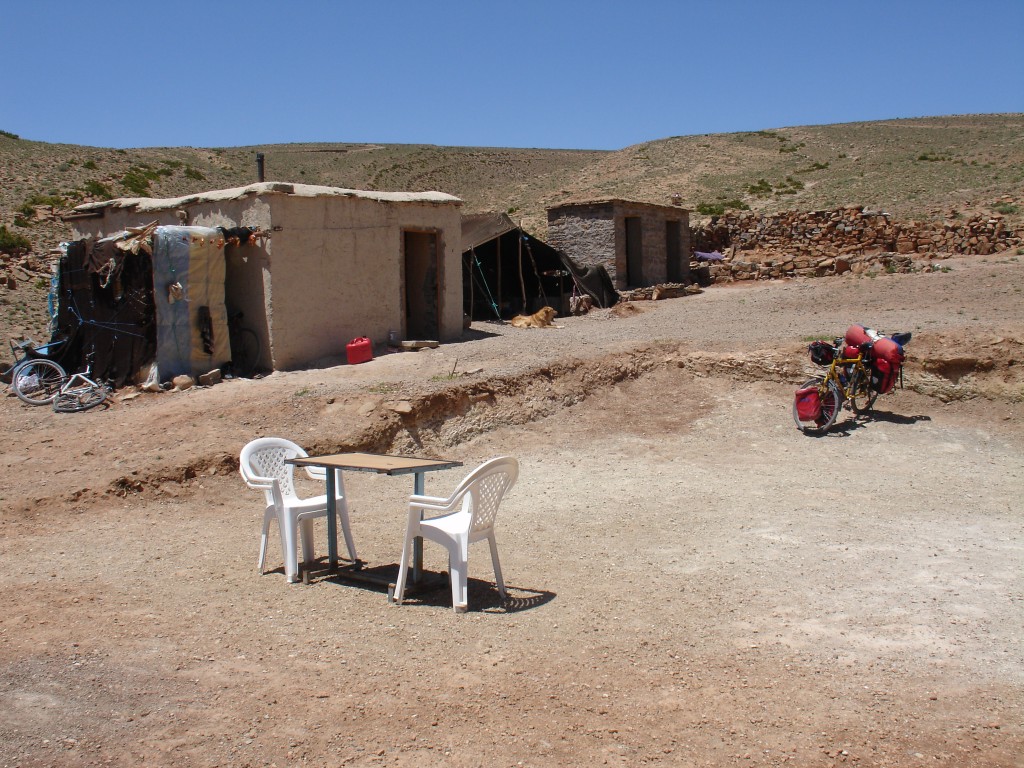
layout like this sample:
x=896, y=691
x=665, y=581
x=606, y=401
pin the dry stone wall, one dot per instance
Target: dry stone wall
x=848, y=239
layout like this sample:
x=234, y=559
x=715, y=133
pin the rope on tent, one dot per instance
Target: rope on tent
x=540, y=285
x=483, y=283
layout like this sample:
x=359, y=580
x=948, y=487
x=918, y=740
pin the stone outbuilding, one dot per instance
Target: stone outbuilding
x=639, y=244
x=328, y=265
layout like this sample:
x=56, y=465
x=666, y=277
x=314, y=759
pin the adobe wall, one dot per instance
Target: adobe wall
x=847, y=239
x=337, y=266
x=330, y=271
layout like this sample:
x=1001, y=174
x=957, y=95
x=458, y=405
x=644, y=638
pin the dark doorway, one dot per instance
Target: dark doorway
x=634, y=252
x=674, y=272
x=422, y=286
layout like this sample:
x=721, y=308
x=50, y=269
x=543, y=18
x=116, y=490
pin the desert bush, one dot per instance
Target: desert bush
x=192, y=173
x=12, y=242
x=89, y=165
x=136, y=179
x=10, y=135
x=1006, y=209
x=28, y=208
x=97, y=189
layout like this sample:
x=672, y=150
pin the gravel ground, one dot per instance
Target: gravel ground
x=692, y=580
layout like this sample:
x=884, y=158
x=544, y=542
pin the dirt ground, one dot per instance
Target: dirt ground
x=692, y=581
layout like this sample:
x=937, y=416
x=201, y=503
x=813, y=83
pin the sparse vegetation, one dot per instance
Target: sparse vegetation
x=12, y=242
x=28, y=208
x=10, y=135
x=718, y=209
x=192, y=173
x=98, y=190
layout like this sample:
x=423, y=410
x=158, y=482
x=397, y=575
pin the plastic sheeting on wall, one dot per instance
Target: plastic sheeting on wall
x=188, y=295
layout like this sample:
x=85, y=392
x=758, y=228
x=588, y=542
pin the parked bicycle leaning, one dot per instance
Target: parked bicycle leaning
x=39, y=380
x=35, y=375
x=862, y=365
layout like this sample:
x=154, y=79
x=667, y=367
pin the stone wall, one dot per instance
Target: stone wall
x=587, y=240
x=598, y=233
x=847, y=239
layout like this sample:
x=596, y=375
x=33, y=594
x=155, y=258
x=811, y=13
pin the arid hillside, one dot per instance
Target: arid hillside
x=914, y=169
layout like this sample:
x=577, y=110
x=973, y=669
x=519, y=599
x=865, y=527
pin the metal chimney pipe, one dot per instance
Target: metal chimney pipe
x=259, y=166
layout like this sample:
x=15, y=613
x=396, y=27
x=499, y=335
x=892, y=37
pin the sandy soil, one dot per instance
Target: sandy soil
x=692, y=580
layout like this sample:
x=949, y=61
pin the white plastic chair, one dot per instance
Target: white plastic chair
x=466, y=516
x=262, y=465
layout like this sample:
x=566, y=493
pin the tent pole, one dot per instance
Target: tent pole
x=472, y=293
x=522, y=284
x=501, y=303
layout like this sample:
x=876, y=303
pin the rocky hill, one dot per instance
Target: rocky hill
x=913, y=169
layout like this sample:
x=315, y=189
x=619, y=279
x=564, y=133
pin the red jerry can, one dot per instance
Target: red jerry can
x=359, y=350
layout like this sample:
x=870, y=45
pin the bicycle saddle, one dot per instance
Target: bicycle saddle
x=901, y=338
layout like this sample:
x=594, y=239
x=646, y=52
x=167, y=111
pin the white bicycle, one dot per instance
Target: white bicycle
x=79, y=393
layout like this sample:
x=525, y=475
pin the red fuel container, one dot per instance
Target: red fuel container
x=359, y=350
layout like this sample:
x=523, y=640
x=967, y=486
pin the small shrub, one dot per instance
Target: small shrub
x=192, y=173
x=89, y=165
x=136, y=182
x=710, y=209
x=11, y=242
x=1005, y=208
x=761, y=188
x=97, y=189
x=10, y=135
x=28, y=208
x=173, y=164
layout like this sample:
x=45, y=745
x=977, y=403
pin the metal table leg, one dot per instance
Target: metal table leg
x=417, y=543
x=332, y=519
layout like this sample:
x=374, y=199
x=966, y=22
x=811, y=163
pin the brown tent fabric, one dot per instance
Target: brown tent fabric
x=105, y=310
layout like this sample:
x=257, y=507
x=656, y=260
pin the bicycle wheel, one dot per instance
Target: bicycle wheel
x=36, y=382
x=831, y=404
x=245, y=352
x=80, y=398
x=862, y=396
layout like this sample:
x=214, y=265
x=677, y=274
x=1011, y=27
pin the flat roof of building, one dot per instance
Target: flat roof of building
x=265, y=188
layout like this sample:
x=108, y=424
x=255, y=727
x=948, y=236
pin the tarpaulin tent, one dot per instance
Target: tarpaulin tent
x=507, y=271
x=144, y=296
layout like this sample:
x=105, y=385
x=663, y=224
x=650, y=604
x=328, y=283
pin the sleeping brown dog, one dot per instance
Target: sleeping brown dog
x=540, y=319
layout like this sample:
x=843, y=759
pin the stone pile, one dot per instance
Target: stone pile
x=848, y=239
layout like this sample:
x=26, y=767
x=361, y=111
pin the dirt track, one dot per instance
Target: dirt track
x=693, y=581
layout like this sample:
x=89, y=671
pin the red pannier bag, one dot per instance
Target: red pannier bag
x=886, y=362
x=808, y=404
x=856, y=336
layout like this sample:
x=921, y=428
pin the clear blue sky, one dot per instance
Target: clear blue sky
x=532, y=73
